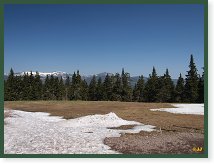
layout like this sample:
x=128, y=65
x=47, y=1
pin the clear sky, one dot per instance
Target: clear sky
x=103, y=38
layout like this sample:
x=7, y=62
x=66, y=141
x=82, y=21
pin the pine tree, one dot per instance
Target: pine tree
x=18, y=88
x=61, y=89
x=77, y=94
x=10, y=88
x=38, y=87
x=67, y=81
x=25, y=95
x=46, y=89
x=31, y=87
x=138, y=90
x=84, y=90
x=107, y=86
x=72, y=87
x=166, y=90
x=179, y=90
x=201, y=89
x=67, y=86
x=136, y=93
x=56, y=92
x=99, y=89
x=92, y=89
x=151, y=87
x=75, y=89
x=117, y=88
x=191, y=85
x=52, y=88
x=126, y=87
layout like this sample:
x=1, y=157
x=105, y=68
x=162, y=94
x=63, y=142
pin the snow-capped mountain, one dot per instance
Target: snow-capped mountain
x=44, y=74
x=64, y=75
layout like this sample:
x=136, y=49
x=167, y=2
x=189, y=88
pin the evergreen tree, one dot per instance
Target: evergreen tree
x=191, y=85
x=67, y=81
x=18, y=88
x=151, y=87
x=10, y=88
x=78, y=89
x=25, y=95
x=75, y=89
x=46, y=89
x=67, y=86
x=166, y=91
x=93, y=89
x=117, y=88
x=138, y=90
x=31, y=87
x=84, y=90
x=61, y=89
x=107, y=88
x=201, y=89
x=99, y=89
x=72, y=87
x=136, y=93
x=52, y=88
x=179, y=90
x=57, y=92
x=38, y=87
x=126, y=87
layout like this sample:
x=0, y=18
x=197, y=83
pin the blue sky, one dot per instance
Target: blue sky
x=103, y=38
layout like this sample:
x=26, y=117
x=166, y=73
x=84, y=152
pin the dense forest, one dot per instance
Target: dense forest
x=113, y=88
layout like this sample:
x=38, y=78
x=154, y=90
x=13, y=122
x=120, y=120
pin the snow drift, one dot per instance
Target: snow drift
x=39, y=133
x=196, y=109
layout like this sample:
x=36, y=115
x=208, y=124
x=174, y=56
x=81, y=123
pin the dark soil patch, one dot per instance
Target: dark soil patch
x=123, y=127
x=157, y=143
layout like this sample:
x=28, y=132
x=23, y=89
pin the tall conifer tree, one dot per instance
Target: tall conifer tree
x=61, y=87
x=117, y=88
x=107, y=86
x=126, y=87
x=38, y=87
x=151, y=87
x=11, y=87
x=84, y=90
x=92, y=89
x=166, y=88
x=99, y=89
x=179, y=90
x=138, y=90
x=201, y=89
x=191, y=85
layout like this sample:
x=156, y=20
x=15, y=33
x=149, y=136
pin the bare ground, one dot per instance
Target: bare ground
x=157, y=143
x=176, y=133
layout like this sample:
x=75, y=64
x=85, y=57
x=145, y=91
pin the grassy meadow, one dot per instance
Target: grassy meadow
x=132, y=111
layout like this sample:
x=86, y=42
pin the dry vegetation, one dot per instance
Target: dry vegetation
x=178, y=127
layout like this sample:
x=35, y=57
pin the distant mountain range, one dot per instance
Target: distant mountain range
x=64, y=75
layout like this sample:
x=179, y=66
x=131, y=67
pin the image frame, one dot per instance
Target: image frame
x=58, y=2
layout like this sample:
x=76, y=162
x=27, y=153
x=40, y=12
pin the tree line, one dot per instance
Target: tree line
x=113, y=88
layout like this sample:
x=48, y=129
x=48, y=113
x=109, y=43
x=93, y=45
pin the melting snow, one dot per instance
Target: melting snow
x=39, y=133
x=197, y=109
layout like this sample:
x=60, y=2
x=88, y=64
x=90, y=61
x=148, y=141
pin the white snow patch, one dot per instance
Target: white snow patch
x=196, y=109
x=39, y=133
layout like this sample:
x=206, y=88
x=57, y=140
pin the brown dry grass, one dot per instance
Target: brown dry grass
x=126, y=110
